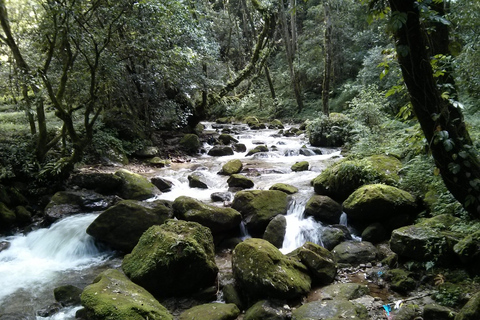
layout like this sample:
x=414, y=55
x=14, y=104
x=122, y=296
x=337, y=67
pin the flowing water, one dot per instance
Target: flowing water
x=64, y=254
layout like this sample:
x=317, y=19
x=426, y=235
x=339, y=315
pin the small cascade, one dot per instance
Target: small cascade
x=300, y=229
x=343, y=219
x=243, y=231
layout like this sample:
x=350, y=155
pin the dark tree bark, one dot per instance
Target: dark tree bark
x=442, y=123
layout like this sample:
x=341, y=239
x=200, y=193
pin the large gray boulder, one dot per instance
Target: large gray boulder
x=259, y=207
x=135, y=186
x=123, y=224
x=218, y=219
x=355, y=252
x=114, y=296
x=173, y=259
x=323, y=209
x=262, y=271
x=275, y=232
x=319, y=261
x=220, y=151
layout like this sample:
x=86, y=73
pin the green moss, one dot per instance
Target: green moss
x=400, y=280
x=288, y=189
x=300, y=166
x=7, y=216
x=135, y=186
x=211, y=311
x=190, y=143
x=257, y=149
x=232, y=167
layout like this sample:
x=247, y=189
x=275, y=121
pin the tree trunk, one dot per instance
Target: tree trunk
x=442, y=123
x=328, y=61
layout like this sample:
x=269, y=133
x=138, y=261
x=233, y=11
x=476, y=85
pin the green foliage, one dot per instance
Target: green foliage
x=449, y=295
x=368, y=108
x=330, y=131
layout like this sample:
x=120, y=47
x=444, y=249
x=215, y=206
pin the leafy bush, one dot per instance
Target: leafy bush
x=332, y=131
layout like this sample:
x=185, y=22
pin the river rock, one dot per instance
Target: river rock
x=343, y=291
x=275, y=124
x=400, y=280
x=288, y=189
x=162, y=184
x=135, y=186
x=323, y=209
x=49, y=310
x=257, y=149
x=332, y=237
x=240, y=147
x=261, y=270
x=122, y=225
x=471, y=310
x=23, y=215
x=374, y=233
x=221, y=196
x=379, y=203
x=64, y=203
x=190, y=143
x=226, y=139
x=211, y=311
x=339, y=180
x=268, y=310
x=173, y=259
x=4, y=245
x=258, y=207
x=101, y=182
x=331, y=310
x=300, y=166
x=197, y=180
x=114, y=296
x=239, y=181
x=468, y=251
x=231, y=167
x=275, y=232
x=220, y=151
x=7, y=217
x=218, y=219
x=319, y=261
x=231, y=295
x=355, y=252
x=67, y=295
x=435, y=311
x=147, y=152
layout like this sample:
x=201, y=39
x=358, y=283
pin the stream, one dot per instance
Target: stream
x=62, y=254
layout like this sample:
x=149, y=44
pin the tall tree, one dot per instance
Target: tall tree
x=327, y=73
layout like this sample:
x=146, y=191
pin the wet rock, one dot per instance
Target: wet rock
x=471, y=310
x=4, y=245
x=190, y=143
x=231, y=167
x=23, y=215
x=331, y=237
x=268, y=310
x=323, y=209
x=147, y=152
x=7, y=217
x=221, y=196
x=212, y=311
x=231, y=295
x=223, y=120
x=276, y=124
x=157, y=162
x=355, y=252
x=217, y=219
x=114, y=296
x=343, y=291
x=227, y=139
x=437, y=312
x=67, y=295
x=220, y=151
x=275, y=232
x=49, y=310
x=307, y=153
x=257, y=149
x=135, y=186
x=319, y=261
x=330, y=310
x=468, y=250
x=196, y=180
x=407, y=312
x=239, y=181
x=104, y=183
x=122, y=225
x=173, y=259
x=300, y=166
x=288, y=189
x=374, y=233
x=400, y=280
x=16, y=316
x=240, y=147
x=258, y=207
x=162, y=184
x=261, y=270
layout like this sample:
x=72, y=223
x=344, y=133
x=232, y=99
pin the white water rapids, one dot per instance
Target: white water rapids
x=35, y=264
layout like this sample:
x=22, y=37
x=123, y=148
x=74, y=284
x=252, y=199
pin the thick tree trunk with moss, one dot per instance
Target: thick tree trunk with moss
x=441, y=121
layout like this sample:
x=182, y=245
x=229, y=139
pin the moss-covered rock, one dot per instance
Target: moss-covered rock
x=355, y=252
x=220, y=151
x=258, y=207
x=435, y=311
x=190, y=143
x=231, y=167
x=197, y=180
x=7, y=217
x=176, y=258
x=331, y=310
x=211, y=311
x=339, y=180
x=275, y=124
x=275, y=232
x=158, y=162
x=122, y=225
x=101, y=182
x=319, y=261
x=300, y=166
x=162, y=184
x=218, y=219
x=135, y=186
x=267, y=310
x=223, y=120
x=374, y=233
x=257, y=149
x=226, y=139
x=332, y=131
x=323, y=209
x=468, y=250
x=23, y=215
x=333, y=236
x=344, y=291
x=400, y=280
x=471, y=310
x=288, y=189
x=262, y=271
x=239, y=181
x=231, y=295
x=67, y=295
x=112, y=296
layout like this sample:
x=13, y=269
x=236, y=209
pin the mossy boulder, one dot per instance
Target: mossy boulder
x=331, y=310
x=267, y=310
x=323, y=209
x=257, y=149
x=288, y=189
x=158, y=162
x=344, y=291
x=122, y=225
x=211, y=311
x=231, y=167
x=223, y=120
x=275, y=232
x=262, y=271
x=112, y=296
x=217, y=219
x=259, y=207
x=400, y=280
x=374, y=233
x=319, y=261
x=339, y=180
x=190, y=143
x=135, y=186
x=435, y=311
x=239, y=181
x=226, y=139
x=23, y=215
x=332, y=131
x=101, y=182
x=355, y=252
x=220, y=151
x=173, y=259
x=162, y=184
x=468, y=250
x=197, y=180
x=300, y=166
x=378, y=203
x=333, y=236
x=7, y=217
x=471, y=310
x=275, y=124
x=67, y=295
